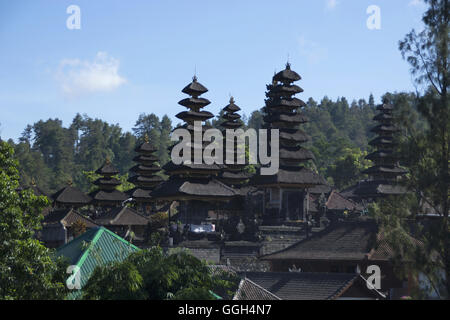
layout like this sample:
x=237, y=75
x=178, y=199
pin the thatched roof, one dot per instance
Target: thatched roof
x=195, y=88
x=67, y=218
x=71, y=196
x=287, y=75
x=193, y=189
x=107, y=169
x=300, y=177
x=108, y=196
x=123, y=216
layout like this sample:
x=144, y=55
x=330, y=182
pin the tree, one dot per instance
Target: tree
x=425, y=152
x=165, y=142
x=154, y=275
x=27, y=270
x=347, y=169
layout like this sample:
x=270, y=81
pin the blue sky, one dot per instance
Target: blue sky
x=132, y=57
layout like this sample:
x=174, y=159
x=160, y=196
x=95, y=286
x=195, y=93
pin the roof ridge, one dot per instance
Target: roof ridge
x=264, y=289
x=119, y=238
x=373, y=289
x=344, y=288
x=118, y=215
x=81, y=235
x=91, y=245
x=241, y=283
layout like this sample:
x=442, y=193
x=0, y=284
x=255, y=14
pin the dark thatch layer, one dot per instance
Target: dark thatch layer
x=340, y=241
x=71, y=196
x=122, y=217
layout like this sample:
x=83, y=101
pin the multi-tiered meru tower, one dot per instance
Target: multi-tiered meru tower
x=145, y=176
x=107, y=196
x=383, y=176
x=233, y=174
x=194, y=186
x=286, y=193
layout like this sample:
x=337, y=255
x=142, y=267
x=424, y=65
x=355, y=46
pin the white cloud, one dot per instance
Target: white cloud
x=80, y=77
x=331, y=4
x=312, y=51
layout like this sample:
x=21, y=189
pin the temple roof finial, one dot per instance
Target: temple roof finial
x=231, y=100
x=146, y=139
x=107, y=160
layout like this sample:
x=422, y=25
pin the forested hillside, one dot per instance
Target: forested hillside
x=51, y=155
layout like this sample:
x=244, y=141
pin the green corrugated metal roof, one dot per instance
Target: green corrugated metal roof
x=96, y=247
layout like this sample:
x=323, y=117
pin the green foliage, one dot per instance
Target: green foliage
x=425, y=152
x=154, y=275
x=417, y=247
x=27, y=270
x=346, y=170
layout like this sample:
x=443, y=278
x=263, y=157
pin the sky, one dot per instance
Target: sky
x=132, y=57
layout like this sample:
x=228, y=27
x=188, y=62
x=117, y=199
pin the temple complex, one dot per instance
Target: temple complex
x=268, y=227
x=286, y=193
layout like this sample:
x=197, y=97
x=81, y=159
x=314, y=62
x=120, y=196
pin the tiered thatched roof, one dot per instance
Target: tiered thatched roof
x=191, y=181
x=283, y=113
x=384, y=174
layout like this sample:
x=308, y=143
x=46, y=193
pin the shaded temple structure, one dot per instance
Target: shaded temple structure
x=145, y=176
x=70, y=197
x=286, y=193
x=194, y=186
x=107, y=196
x=233, y=174
x=383, y=176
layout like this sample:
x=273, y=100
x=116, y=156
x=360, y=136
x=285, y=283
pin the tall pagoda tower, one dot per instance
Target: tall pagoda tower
x=286, y=193
x=232, y=174
x=194, y=186
x=145, y=176
x=107, y=196
x=384, y=174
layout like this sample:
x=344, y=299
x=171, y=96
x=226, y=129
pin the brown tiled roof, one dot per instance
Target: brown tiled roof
x=67, y=218
x=303, y=285
x=340, y=241
x=122, y=216
x=337, y=201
